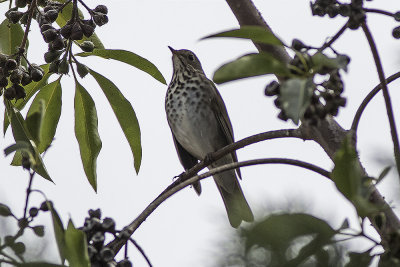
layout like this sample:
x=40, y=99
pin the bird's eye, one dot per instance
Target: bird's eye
x=191, y=57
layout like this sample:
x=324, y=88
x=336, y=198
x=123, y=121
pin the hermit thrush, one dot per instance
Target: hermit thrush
x=200, y=125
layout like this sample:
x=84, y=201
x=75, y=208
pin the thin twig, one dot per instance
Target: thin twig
x=386, y=95
x=334, y=38
x=368, y=98
x=141, y=251
x=378, y=11
x=28, y=192
x=21, y=49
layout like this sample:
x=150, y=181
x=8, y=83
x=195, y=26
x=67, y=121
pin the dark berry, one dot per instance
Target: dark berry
x=3, y=82
x=88, y=27
x=106, y=254
x=87, y=46
x=20, y=3
x=9, y=93
x=66, y=31
x=26, y=79
x=10, y=64
x=49, y=35
x=297, y=44
x=92, y=251
x=50, y=56
x=76, y=31
x=108, y=224
x=51, y=15
x=396, y=16
x=33, y=212
x=101, y=9
x=396, y=32
x=46, y=27
x=82, y=69
x=124, y=263
x=45, y=205
x=19, y=94
x=53, y=68
x=95, y=213
x=15, y=16
x=16, y=76
x=63, y=68
x=97, y=239
x=100, y=19
x=57, y=44
x=36, y=74
x=344, y=10
x=272, y=88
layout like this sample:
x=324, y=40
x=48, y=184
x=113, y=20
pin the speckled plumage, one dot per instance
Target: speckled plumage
x=200, y=125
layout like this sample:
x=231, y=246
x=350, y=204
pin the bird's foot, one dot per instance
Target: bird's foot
x=209, y=158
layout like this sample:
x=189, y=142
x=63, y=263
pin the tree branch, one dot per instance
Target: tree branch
x=385, y=90
x=118, y=243
x=329, y=134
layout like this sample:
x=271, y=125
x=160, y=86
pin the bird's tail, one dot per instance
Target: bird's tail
x=237, y=208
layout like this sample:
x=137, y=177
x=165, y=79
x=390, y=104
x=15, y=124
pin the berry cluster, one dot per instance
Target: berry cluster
x=396, y=30
x=95, y=229
x=59, y=40
x=354, y=11
x=19, y=76
x=326, y=96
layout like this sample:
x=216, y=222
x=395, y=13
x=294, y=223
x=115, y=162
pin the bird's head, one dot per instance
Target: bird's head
x=185, y=60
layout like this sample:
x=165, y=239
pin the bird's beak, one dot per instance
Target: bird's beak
x=172, y=50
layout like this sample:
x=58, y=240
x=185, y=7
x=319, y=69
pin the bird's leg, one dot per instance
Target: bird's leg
x=209, y=158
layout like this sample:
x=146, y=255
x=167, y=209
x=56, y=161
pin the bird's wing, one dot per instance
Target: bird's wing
x=221, y=114
x=187, y=161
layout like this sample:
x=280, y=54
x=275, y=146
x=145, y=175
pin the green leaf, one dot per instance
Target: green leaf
x=276, y=232
x=349, y=179
x=383, y=174
x=65, y=16
x=5, y=210
x=86, y=132
x=30, y=90
x=322, y=61
x=47, y=104
x=128, y=58
x=38, y=264
x=38, y=230
x=296, y=96
x=125, y=115
x=21, y=133
x=11, y=37
x=249, y=66
x=59, y=231
x=257, y=34
x=358, y=259
x=20, y=145
x=76, y=247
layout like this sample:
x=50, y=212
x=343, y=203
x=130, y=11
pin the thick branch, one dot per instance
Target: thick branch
x=329, y=134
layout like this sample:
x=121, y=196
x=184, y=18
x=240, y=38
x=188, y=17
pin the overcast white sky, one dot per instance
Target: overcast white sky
x=186, y=229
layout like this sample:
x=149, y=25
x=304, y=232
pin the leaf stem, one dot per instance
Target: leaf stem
x=334, y=38
x=386, y=95
x=141, y=251
x=28, y=192
x=21, y=49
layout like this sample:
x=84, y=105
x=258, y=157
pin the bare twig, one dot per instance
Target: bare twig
x=28, y=192
x=21, y=49
x=388, y=102
x=367, y=99
x=141, y=251
x=334, y=38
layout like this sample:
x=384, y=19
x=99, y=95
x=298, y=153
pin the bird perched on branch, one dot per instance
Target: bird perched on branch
x=200, y=125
